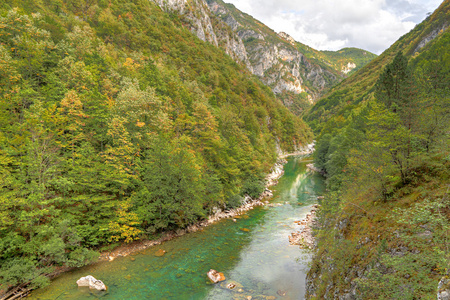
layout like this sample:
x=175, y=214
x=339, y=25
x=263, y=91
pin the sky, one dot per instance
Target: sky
x=372, y=25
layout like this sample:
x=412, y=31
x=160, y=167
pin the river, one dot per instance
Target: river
x=254, y=252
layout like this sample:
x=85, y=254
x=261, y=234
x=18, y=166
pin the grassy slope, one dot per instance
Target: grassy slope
x=341, y=57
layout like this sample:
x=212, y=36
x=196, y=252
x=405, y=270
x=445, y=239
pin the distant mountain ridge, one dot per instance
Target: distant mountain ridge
x=298, y=74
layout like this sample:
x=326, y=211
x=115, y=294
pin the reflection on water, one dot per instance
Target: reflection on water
x=259, y=261
x=293, y=192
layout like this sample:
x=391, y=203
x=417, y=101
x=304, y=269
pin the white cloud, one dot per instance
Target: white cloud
x=333, y=24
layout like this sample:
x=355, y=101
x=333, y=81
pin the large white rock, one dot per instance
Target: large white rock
x=92, y=283
x=215, y=276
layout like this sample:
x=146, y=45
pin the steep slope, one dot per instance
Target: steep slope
x=297, y=73
x=384, y=227
x=116, y=123
x=344, y=97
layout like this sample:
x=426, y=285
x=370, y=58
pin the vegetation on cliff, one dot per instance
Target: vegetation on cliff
x=385, y=222
x=117, y=123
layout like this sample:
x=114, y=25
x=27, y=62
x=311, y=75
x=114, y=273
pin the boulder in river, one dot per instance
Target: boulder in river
x=232, y=285
x=160, y=253
x=215, y=276
x=92, y=283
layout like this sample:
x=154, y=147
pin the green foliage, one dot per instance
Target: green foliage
x=414, y=272
x=387, y=167
x=173, y=188
x=296, y=103
x=253, y=187
x=320, y=155
x=116, y=122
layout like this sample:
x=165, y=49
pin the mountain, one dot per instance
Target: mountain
x=117, y=124
x=344, y=97
x=383, y=142
x=298, y=74
x=347, y=60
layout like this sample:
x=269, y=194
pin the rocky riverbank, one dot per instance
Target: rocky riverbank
x=309, y=149
x=304, y=237
x=248, y=204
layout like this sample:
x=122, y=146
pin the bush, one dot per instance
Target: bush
x=253, y=188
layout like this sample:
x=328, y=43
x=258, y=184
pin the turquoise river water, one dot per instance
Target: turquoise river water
x=253, y=252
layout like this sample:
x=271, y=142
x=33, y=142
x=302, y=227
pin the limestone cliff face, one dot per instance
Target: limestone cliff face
x=199, y=15
x=197, y=12
x=348, y=68
x=274, y=58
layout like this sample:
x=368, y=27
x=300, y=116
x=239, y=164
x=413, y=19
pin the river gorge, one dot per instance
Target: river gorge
x=252, y=251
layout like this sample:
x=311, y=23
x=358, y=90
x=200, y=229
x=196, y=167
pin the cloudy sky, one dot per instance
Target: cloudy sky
x=334, y=24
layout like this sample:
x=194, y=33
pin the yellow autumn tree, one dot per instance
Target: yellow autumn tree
x=123, y=227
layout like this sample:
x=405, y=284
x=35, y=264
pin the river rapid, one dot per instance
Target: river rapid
x=253, y=252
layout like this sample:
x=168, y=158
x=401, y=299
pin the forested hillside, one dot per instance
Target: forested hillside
x=335, y=107
x=384, y=226
x=117, y=124
x=347, y=60
x=296, y=73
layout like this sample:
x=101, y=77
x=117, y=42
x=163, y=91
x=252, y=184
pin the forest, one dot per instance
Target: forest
x=118, y=124
x=385, y=221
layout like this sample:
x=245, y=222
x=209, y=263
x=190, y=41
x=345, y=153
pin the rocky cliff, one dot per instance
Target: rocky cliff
x=295, y=72
x=201, y=22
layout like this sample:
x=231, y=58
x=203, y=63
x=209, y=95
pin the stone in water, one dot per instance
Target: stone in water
x=92, y=283
x=160, y=252
x=215, y=276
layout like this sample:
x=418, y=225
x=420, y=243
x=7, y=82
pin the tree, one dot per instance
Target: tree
x=72, y=108
x=122, y=155
x=383, y=160
x=433, y=74
x=143, y=110
x=172, y=188
x=321, y=153
x=124, y=224
x=396, y=88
